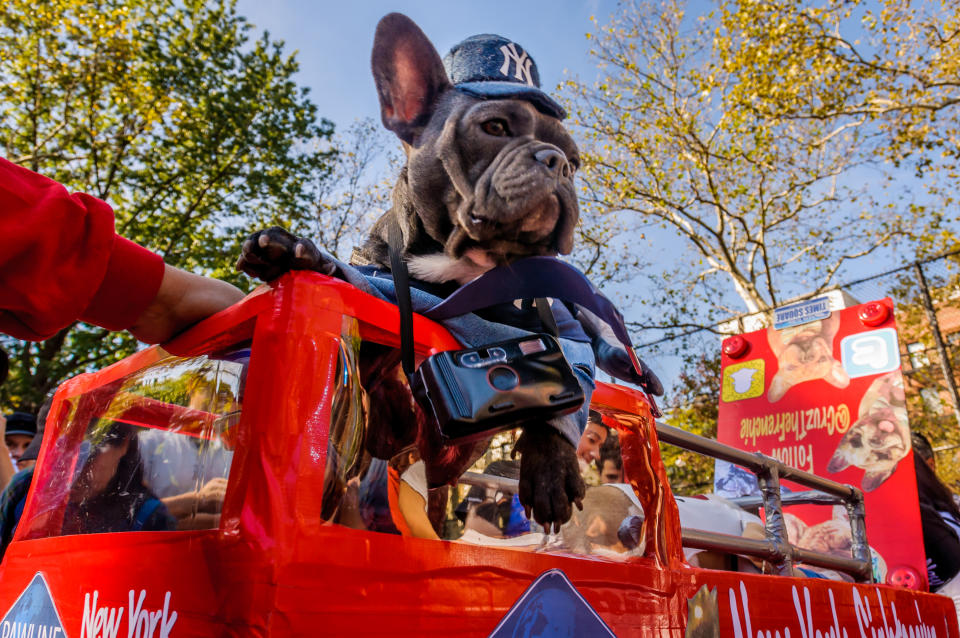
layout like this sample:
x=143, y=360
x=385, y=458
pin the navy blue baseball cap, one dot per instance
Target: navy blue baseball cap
x=21, y=423
x=489, y=66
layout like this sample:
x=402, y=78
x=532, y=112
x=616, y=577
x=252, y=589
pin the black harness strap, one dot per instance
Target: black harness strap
x=401, y=283
x=546, y=316
x=523, y=279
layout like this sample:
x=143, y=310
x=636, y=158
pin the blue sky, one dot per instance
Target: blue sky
x=333, y=39
x=333, y=42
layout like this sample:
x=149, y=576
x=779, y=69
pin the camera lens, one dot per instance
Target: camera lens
x=503, y=378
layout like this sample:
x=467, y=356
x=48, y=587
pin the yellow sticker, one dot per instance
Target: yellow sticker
x=743, y=381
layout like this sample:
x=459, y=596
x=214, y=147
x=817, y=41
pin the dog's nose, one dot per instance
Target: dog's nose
x=555, y=160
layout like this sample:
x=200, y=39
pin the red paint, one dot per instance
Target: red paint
x=906, y=577
x=273, y=568
x=735, y=346
x=873, y=313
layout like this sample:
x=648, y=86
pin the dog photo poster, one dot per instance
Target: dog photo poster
x=822, y=391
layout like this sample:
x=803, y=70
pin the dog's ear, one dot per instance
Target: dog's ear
x=873, y=479
x=778, y=387
x=837, y=376
x=409, y=75
x=839, y=461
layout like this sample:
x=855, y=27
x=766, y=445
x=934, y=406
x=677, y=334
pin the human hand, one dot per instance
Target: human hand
x=210, y=497
x=616, y=362
x=351, y=496
x=183, y=299
x=267, y=254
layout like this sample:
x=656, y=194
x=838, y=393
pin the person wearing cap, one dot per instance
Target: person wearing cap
x=20, y=431
x=13, y=497
x=64, y=263
x=18, y=426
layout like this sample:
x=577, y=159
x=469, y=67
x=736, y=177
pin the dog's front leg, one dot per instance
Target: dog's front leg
x=267, y=254
x=550, y=481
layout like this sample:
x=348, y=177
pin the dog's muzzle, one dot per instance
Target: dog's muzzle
x=521, y=202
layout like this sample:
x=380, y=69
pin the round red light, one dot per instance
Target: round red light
x=735, y=346
x=905, y=577
x=873, y=313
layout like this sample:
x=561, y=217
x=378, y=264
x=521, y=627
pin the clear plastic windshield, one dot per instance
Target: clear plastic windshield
x=149, y=452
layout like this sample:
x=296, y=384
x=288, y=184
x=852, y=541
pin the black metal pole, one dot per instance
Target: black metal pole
x=775, y=527
x=945, y=365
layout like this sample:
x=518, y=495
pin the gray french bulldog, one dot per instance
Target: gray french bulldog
x=488, y=180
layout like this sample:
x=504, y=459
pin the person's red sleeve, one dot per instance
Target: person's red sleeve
x=60, y=260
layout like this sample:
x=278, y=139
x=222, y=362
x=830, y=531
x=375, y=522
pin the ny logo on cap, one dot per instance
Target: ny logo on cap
x=522, y=60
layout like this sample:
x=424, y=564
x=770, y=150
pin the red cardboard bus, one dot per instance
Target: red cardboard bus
x=263, y=404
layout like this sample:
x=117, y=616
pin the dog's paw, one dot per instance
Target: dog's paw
x=550, y=481
x=267, y=254
x=616, y=362
x=649, y=380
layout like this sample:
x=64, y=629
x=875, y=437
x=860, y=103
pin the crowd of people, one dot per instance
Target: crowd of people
x=127, y=478
x=484, y=510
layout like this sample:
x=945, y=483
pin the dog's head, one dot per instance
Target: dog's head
x=489, y=175
x=875, y=443
x=806, y=355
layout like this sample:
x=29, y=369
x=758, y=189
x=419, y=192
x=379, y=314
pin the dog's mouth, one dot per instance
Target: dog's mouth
x=538, y=222
x=530, y=231
x=491, y=243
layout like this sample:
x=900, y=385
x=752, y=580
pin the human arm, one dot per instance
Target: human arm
x=159, y=519
x=349, y=515
x=207, y=500
x=182, y=300
x=199, y=521
x=12, y=499
x=413, y=507
x=412, y=498
x=480, y=524
x=66, y=263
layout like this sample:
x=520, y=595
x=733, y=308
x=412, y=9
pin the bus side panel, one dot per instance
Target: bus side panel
x=349, y=582
x=748, y=604
x=163, y=579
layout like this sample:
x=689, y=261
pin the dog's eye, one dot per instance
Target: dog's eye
x=497, y=128
x=574, y=164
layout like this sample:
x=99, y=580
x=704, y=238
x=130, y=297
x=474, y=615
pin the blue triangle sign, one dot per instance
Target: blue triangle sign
x=551, y=608
x=33, y=613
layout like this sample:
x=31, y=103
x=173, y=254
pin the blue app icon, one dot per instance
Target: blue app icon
x=868, y=353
